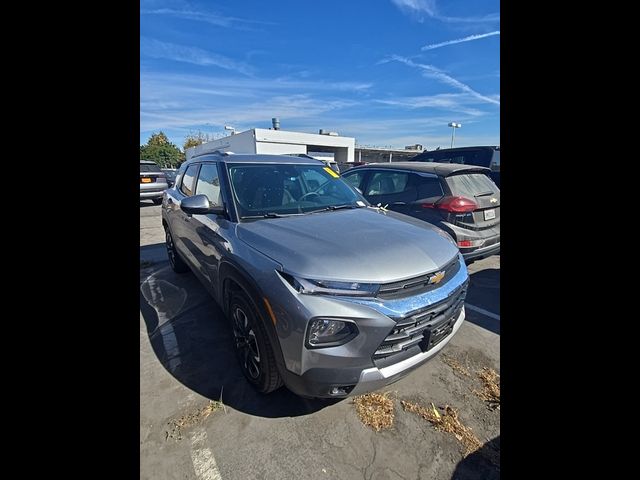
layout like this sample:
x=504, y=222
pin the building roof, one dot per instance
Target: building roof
x=257, y=158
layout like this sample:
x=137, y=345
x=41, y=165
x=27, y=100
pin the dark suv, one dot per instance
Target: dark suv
x=277, y=241
x=460, y=199
x=485, y=156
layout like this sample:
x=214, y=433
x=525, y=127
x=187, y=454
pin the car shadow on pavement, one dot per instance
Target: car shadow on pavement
x=484, y=292
x=483, y=464
x=190, y=337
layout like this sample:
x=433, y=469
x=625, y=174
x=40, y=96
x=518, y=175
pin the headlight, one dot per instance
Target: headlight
x=328, y=287
x=329, y=332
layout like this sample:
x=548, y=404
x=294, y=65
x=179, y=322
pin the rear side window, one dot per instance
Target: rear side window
x=148, y=167
x=209, y=183
x=429, y=187
x=495, y=162
x=384, y=183
x=187, y=180
x=471, y=184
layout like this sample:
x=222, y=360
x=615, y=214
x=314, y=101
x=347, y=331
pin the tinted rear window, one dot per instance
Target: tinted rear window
x=148, y=167
x=482, y=158
x=471, y=184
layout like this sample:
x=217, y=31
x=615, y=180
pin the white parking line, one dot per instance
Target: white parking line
x=202, y=457
x=482, y=311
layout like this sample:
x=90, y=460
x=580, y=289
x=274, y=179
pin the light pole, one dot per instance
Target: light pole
x=453, y=126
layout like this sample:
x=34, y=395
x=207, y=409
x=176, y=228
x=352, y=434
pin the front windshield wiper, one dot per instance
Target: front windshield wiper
x=271, y=215
x=337, y=207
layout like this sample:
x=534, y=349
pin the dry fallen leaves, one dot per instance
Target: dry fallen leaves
x=375, y=410
x=448, y=421
x=455, y=365
x=190, y=420
x=491, y=387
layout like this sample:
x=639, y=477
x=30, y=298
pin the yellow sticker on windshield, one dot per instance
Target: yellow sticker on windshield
x=331, y=172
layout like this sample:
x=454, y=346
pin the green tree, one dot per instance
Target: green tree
x=160, y=150
x=195, y=139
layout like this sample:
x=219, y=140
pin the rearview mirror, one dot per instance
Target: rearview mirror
x=200, y=205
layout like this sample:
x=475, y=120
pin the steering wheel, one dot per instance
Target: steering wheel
x=307, y=195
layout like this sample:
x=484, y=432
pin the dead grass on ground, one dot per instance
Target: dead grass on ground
x=177, y=426
x=490, y=392
x=447, y=421
x=455, y=365
x=375, y=410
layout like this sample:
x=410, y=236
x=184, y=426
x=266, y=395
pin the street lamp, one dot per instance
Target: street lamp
x=231, y=129
x=453, y=126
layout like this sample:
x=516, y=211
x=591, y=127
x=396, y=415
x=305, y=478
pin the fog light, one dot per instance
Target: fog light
x=341, y=391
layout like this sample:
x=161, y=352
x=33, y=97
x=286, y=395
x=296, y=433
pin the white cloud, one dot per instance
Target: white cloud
x=151, y=47
x=430, y=71
x=211, y=18
x=453, y=102
x=470, y=38
x=418, y=8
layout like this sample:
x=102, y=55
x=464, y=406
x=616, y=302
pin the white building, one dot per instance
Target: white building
x=278, y=142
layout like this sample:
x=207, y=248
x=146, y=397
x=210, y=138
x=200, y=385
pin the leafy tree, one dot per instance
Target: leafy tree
x=160, y=150
x=158, y=139
x=195, y=139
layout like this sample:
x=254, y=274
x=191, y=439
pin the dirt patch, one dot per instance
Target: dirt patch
x=177, y=426
x=376, y=410
x=490, y=392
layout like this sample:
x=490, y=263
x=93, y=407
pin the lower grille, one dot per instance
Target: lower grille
x=421, y=331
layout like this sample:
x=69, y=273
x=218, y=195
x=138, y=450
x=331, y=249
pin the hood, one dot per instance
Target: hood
x=359, y=245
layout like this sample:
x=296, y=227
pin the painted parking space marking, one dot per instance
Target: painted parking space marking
x=204, y=463
x=482, y=311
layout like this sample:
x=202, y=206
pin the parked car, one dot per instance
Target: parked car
x=460, y=199
x=152, y=181
x=485, y=156
x=277, y=241
x=170, y=173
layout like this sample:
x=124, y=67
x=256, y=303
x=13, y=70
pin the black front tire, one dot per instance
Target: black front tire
x=156, y=201
x=254, y=351
x=175, y=260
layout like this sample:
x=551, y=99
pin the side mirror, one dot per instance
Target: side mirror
x=200, y=205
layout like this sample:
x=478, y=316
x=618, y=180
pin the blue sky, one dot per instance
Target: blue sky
x=387, y=72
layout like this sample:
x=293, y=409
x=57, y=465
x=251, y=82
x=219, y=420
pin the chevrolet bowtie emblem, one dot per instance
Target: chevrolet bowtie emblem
x=494, y=200
x=436, y=277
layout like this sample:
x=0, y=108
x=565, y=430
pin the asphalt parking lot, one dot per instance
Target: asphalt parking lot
x=187, y=361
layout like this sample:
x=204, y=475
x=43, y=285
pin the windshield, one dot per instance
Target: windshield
x=285, y=189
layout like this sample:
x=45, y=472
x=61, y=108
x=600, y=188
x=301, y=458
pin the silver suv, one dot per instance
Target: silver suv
x=152, y=181
x=323, y=292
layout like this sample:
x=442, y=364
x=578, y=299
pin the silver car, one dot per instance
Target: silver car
x=152, y=181
x=323, y=292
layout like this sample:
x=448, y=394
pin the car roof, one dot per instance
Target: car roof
x=441, y=169
x=256, y=158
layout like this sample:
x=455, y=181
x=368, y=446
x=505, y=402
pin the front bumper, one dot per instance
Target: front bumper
x=318, y=382
x=479, y=253
x=314, y=372
x=151, y=194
